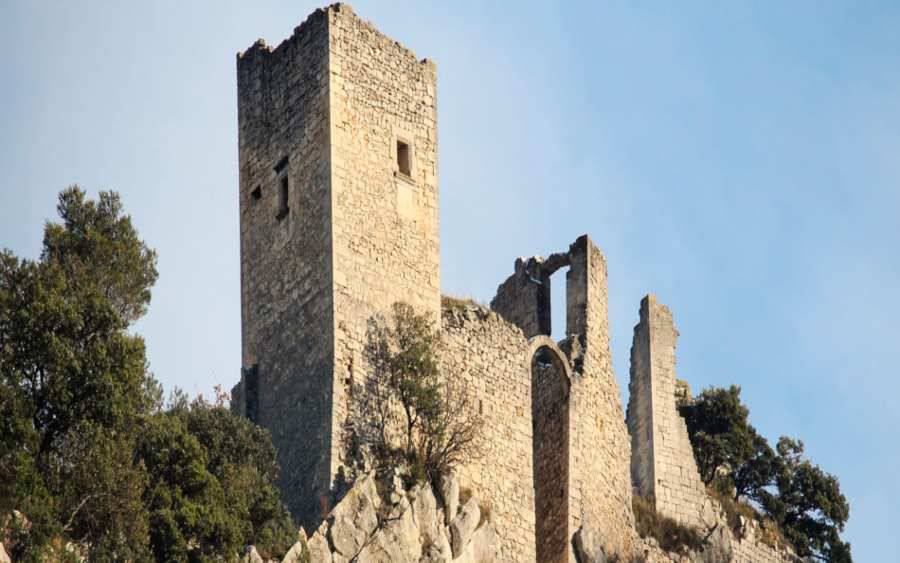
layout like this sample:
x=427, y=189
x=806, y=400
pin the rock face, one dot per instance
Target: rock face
x=4, y=558
x=379, y=521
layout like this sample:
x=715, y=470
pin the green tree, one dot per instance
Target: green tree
x=803, y=500
x=86, y=451
x=406, y=410
x=70, y=369
x=809, y=505
x=240, y=455
x=210, y=485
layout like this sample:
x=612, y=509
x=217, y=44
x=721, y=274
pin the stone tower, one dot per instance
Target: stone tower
x=338, y=218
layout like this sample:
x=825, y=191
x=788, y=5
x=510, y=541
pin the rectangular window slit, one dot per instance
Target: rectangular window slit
x=283, y=188
x=403, y=158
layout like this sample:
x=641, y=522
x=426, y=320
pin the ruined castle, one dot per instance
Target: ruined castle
x=339, y=220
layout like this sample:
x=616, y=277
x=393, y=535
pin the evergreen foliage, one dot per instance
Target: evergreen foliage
x=87, y=454
x=733, y=458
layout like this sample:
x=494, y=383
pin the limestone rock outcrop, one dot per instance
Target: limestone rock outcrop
x=380, y=521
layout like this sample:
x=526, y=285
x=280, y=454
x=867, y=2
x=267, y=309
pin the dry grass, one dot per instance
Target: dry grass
x=487, y=511
x=671, y=535
x=733, y=509
x=457, y=303
x=465, y=493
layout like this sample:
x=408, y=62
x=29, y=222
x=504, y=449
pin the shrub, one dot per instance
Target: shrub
x=406, y=413
x=671, y=535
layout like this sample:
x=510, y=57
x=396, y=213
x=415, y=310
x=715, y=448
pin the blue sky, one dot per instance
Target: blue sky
x=740, y=160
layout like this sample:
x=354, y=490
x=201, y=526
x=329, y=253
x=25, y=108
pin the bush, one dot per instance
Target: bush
x=407, y=414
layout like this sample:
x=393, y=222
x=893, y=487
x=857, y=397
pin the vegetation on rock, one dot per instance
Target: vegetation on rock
x=671, y=535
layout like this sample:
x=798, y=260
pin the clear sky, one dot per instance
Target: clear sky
x=739, y=159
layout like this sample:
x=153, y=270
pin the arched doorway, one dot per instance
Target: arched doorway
x=550, y=439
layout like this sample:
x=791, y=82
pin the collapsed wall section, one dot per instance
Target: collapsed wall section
x=491, y=358
x=600, y=489
x=662, y=459
x=597, y=491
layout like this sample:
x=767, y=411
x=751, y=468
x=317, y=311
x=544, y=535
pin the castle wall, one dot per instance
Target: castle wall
x=598, y=484
x=524, y=298
x=550, y=384
x=600, y=490
x=385, y=222
x=663, y=465
x=339, y=220
x=287, y=304
x=492, y=358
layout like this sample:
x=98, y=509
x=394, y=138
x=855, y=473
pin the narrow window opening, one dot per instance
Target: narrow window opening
x=558, y=304
x=403, y=158
x=256, y=194
x=283, y=191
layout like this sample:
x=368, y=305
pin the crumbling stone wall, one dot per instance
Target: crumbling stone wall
x=598, y=484
x=332, y=230
x=663, y=465
x=492, y=358
x=600, y=490
x=550, y=384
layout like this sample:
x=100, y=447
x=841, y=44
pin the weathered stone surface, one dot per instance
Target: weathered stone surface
x=463, y=526
x=663, y=465
x=355, y=518
x=450, y=496
x=339, y=220
x=4, y=557
x=332, y=230
x=439, y=551
x=491, y=358
x=398, y=540
x=483, y=546
x=428, y=518
x=319, y=551
x=588, y=548
x=294, y=553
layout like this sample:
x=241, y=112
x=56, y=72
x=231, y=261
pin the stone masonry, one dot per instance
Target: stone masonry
x=338, y=210
x=591, y=439
x=339, y=220
x=662, y=459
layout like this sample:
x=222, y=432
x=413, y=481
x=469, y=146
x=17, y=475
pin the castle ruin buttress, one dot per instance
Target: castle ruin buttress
x=339, y=220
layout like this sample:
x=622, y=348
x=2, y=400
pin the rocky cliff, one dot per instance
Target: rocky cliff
x=380, y=520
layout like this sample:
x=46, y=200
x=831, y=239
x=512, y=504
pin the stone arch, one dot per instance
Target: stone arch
x=550, y=391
